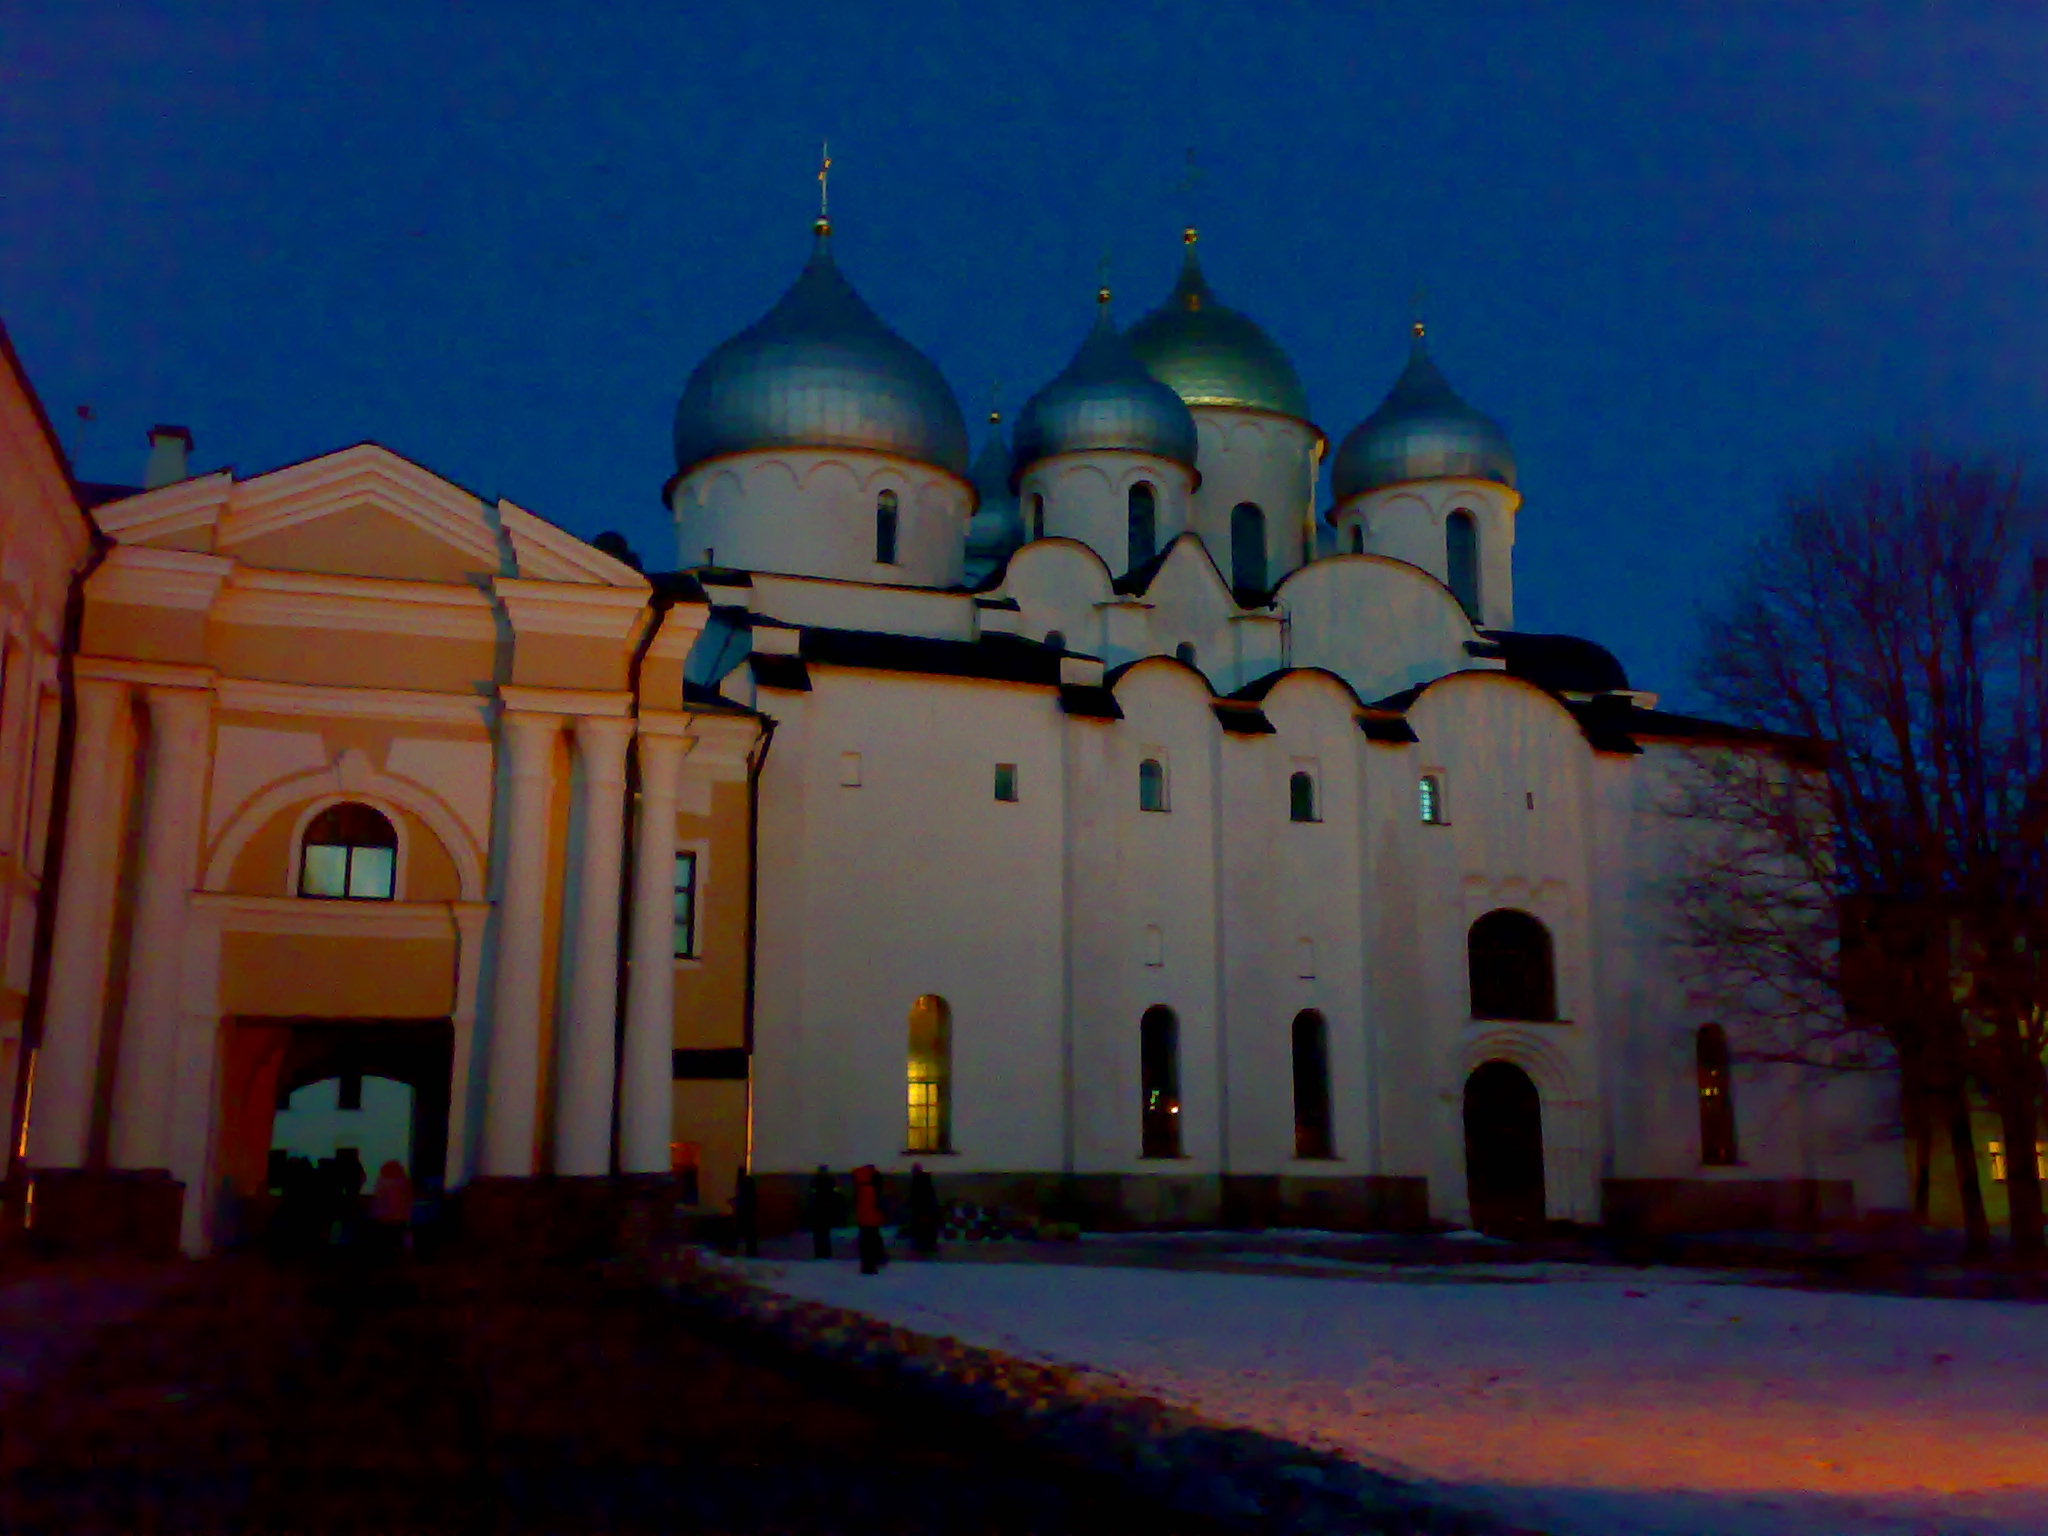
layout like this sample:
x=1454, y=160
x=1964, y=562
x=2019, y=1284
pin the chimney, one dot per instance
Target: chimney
x=170, y=454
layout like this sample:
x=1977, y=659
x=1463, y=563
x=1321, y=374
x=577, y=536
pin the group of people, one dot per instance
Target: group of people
x=825, y=1210
x=321, y=1205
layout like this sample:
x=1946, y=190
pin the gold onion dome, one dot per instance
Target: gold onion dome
x=1210, y=354
x=1105, y=400
x=1423, y=430
x=819, y=370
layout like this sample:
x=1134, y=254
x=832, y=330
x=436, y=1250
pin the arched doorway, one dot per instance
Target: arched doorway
x=268, y=1060
x=1504, y=1150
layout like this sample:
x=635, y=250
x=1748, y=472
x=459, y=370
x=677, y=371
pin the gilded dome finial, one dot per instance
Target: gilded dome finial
x=1415, y=310
x=1190, y=235
x=822, y=225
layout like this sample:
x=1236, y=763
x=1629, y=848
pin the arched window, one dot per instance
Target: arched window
x=1185, y=651
x=1461, y=540
x=1301, y=796
x=1358, y=538
x=931, y=1077
x=1037, y=515
x=1717, y=1096
x=1247, y=549
x=350, y=851
x=885, y=528
x=1311, y=1086
x=1508, y=955
x=1055, y=640
x=1144, y=524
x=1159, y=1075
x=1430, y=798
x=1151, y=785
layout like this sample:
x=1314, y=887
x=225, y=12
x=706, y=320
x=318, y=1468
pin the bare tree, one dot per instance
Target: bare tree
x=1868, y=881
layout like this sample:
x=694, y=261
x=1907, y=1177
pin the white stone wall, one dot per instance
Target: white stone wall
x=1087, y=499
x=1407, y=522
x=1261, y=458
x=811, y=512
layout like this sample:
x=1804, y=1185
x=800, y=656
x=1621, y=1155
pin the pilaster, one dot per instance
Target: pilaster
x=589, y=1061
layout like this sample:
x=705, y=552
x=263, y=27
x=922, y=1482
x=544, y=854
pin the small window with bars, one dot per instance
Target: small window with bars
x=1430, y=800
x=686, y=906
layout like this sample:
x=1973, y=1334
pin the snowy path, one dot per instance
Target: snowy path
x=1589, y=1404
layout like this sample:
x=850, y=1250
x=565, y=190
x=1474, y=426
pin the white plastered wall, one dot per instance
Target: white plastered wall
x=812, y=512
x=1256, y=457
x=1087, y=498
x=1407, y=522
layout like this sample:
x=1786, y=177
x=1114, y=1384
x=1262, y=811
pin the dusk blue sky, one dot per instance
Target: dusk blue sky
x=1685, y=254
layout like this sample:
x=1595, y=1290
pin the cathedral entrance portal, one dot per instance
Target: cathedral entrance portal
x=270, y=1059
x=1504, y=1150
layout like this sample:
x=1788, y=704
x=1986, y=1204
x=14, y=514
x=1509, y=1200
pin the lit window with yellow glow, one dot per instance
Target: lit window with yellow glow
x=930, y=1123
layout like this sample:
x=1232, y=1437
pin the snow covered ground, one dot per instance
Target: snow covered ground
x=1581, y=1401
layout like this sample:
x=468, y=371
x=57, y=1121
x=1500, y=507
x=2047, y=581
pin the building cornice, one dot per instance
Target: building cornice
x=563, y=608
x=313, y=917
x=145, y=674
x=301, y=600
x=159, y=578
x=248, y=696
x=564, y=701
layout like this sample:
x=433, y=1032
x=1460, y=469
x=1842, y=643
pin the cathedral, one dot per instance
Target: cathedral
x=1097, y=816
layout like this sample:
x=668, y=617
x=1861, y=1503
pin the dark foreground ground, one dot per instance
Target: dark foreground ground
x=466, y=1398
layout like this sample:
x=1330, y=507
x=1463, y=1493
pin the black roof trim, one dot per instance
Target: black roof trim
x=1242, y=721
x=705, y=699
x=1664, y=725
x=994, y=657
x=1486, y=650
x=722, y=575
x=785, y=672
x=1560, y=663
x=1390, y=730
x=1001, y=604
x=1605, y=724
x=1091, y=701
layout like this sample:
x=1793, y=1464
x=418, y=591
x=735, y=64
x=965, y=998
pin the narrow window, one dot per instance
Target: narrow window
x=1159, y=1073
x=1247, y=550
x=1037, y=515
x=885, y=528
x=849, y=770
x=349, y=1092
x=350, y=852
x=1144, y=524
x=1185, y=651
x=1151, y=785
x=1717, y=1097
x=1431, y=795
x=931, y=1077
x=1508, y=959
x=1311, y=1086
x=1301, y=796
x=1006, y=781
x=1461, y=538
x=685, y=911
x=1358, y=538
x=1055, y=640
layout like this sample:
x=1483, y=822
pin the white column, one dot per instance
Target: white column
x=589, y=1058
x=472, y=921
x=646, y=1077
x=174, y=805
x=512, y=1099
x=67, y=1066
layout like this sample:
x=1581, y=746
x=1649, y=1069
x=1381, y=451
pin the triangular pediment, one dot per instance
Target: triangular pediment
x=364, y=511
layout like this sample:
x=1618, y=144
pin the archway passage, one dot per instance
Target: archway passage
x=269, y=1059
x=1504, y=1150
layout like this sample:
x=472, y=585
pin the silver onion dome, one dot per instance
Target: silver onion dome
x=997, y=529
x=1210, y=354
x=1423, y=430
x=1105, y=399
x=820, y=370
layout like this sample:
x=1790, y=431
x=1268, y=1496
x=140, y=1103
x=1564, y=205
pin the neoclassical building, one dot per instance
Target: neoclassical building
x=1102, y=817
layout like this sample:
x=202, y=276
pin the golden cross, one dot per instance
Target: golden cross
x=1415, y=306
x=824, y=178
x=1185, y=189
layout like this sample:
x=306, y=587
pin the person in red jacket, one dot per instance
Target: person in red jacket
x=867, y=1216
